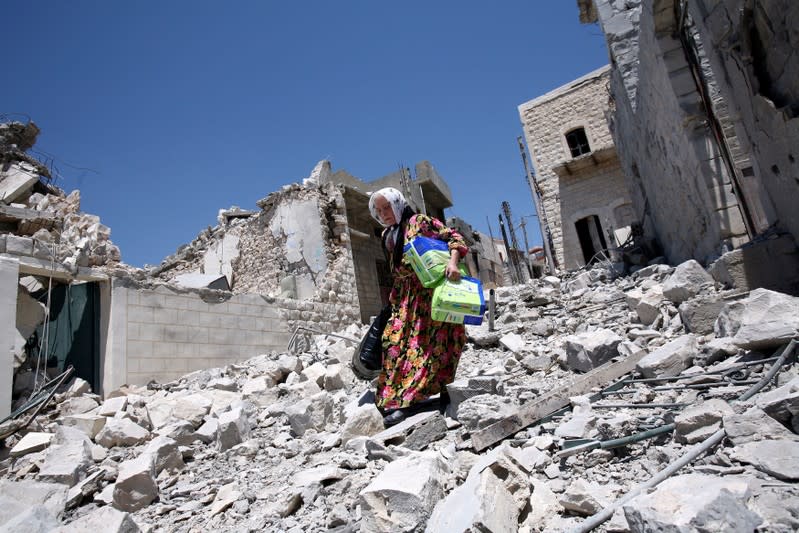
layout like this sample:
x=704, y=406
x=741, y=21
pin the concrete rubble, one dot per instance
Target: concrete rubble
x=287, y=442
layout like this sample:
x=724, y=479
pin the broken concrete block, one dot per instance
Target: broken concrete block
x=581, y=422
x=777, y=458
x=754, y=425
x=366, y=420
x=315, y=373
x=112, y=406
x=402, y=496
x=33, y=519
x=181, y=431
x=19, y=245
x=31, y=442
x=646, y=304
x=765, y=319
x=223, y=384
x=771, y=263
x=165, y=454
x=670, y=359
x=686, y=281
x=105, y=519
x=699, y=314
x=256, y=386
x=77, y=405
x=314, y=412
x=332, y=380
x=18, y=495
x=64, y=463
x=225, y=497
x=584, y=497
x=480, y=504
x=90, y=424
x=698, y=422
x=78, y=387
x=463, y=389
x=782, y=403
x=191, y=408
x=16, y=181
x=135, y=486
x=121, y=432
x=84, y=489
x=590, y=349
x=208, y=431
x=234, y=428
x=693, y=502
x=513, y=342
x=543, y=505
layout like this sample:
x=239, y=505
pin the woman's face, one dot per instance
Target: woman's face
x=384, y=211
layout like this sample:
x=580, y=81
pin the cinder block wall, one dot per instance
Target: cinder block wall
x=161, y=335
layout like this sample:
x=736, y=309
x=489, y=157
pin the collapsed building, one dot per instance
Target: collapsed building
x=309, y=261
x=703, y=112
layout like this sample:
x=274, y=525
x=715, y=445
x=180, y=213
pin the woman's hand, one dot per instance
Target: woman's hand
x=451, y=272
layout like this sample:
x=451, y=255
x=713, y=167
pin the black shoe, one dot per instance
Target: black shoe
x=443, y=401
x=393, y=418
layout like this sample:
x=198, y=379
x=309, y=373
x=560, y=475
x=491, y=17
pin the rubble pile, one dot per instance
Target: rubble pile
x=37, y=219
x=293, y=442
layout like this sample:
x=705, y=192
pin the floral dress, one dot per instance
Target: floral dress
x=420, y=355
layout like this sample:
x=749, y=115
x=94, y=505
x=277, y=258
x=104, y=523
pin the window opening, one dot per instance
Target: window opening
x=578, y=142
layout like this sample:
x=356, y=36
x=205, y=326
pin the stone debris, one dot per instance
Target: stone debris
x=293, y=442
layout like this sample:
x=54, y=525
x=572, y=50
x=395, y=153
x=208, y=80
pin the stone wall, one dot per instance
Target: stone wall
x=753, y=50
x=597, y=190
x=676, y=94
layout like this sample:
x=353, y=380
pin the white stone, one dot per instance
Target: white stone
x=777, y=458
x=90, y=424
x=64, y=463
x=693, y=502
x=135, y=486
x=686, y=281
x=234, y=428
x=670, y=359
x=225, y=497
x=165, y=454
x=698, y=422
x=103, y=519
x=513, y=342
x=112, y=406
x=402, y=496
x=590, y=349
x=311, y=413
x=366, y=420
x=31, y=442
x=191, y=408
x=121, y=432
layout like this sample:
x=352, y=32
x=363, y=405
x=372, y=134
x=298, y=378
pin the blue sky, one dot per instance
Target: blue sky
x=162, y=113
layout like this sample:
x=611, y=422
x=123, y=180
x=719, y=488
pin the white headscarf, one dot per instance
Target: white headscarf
x=394, y=199
x=398, y=204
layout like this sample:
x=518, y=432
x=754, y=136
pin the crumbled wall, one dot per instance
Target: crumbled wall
x=292, y=249
x=753, y=50
x=597, y=190
x=697, y=195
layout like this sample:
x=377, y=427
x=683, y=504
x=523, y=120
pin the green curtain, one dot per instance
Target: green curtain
x=74, y=335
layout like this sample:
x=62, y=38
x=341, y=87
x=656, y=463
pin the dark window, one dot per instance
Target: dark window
x=578, y=142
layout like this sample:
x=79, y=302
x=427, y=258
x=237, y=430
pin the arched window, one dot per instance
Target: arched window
x=578, y=142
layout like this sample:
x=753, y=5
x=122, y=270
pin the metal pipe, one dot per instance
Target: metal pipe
x=739, y=366
x=771, y=373
x=638, y=405
x=692, y=454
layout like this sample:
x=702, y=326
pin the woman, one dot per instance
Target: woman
x=420, y=356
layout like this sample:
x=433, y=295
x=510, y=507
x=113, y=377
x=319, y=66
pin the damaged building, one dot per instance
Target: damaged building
x=703, y=110
x=583, y=193
x=309, y=261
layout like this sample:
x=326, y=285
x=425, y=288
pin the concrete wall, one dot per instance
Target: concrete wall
x=596, y=189
x=162, y=334
x=9, y=280
x=753, y=52
x=699, y=197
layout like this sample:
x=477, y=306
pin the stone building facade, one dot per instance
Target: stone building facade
x=583, y=191
x=705, y=104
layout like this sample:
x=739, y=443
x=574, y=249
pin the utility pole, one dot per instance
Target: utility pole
x=523, y=224
x=513, y=241
x=514, y=271
x=542, y=222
